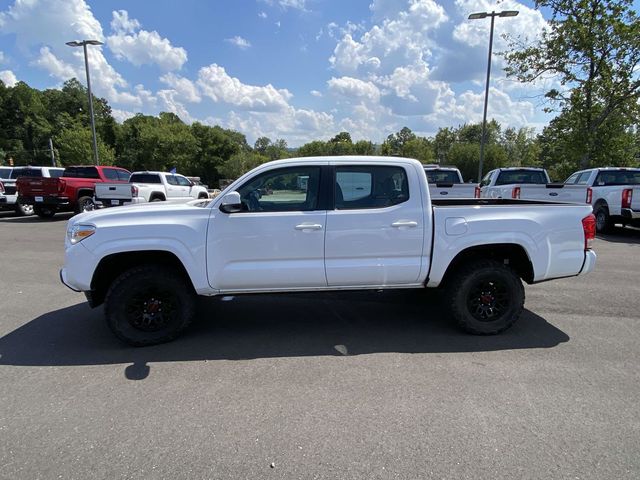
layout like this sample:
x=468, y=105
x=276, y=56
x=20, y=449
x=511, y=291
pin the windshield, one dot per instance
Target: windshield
x=507, y=177
x=442, y=176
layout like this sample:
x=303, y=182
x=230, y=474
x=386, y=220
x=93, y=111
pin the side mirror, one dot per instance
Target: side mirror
x=231, y=203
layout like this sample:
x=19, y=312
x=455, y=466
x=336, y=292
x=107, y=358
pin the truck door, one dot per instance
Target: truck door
x=277, y=241
x=375, y=233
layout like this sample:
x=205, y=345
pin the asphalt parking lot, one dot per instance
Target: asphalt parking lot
x=345, y=385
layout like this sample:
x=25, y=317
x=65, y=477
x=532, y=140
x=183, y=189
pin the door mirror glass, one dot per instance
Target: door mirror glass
x=231, y=203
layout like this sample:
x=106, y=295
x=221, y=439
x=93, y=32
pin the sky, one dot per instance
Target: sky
x=300, y=70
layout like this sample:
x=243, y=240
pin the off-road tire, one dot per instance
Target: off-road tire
x=128, y=302
x=44, y=212
x=472, y=284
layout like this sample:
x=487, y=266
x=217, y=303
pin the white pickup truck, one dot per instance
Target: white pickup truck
x=322, y=223
x=447, y=182
x=149, y=187
x=601, y=187
x=500, y=183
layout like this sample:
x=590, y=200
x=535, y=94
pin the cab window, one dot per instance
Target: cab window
x=292, y=189
x=360, y=187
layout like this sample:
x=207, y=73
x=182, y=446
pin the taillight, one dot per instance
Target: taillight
x=476, y=192
x=515, y=193
x=589, y=227
x=62, y=185
x=134, y=191
x=627, y=195
x=1, y=187
x=589, y=195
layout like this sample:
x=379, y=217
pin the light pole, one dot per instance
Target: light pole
x=479, y=16
x=84, y=44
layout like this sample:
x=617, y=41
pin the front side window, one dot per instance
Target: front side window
x=282, y=190
x=486, y=180
x=172, y=180
x=182, y=181
x=359, y=187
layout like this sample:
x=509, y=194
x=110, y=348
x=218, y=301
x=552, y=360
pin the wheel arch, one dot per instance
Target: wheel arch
x=158, y=195
x=511, y=254
x=111, y=266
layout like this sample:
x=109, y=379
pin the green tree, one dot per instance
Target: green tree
x=75, y=147
x=593, y=49
x=241, y=163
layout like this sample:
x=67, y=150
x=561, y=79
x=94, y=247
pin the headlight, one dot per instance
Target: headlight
x=77, y=233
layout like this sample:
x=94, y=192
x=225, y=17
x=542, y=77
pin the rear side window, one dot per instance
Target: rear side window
x=360, y=187
x=442, y=176
x=81, y=172
x=145, y=178
x=508, y=177
x=621, y=177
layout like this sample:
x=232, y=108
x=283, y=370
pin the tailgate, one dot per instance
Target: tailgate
x=38, y=186
x=113, y=191
x=554, y=192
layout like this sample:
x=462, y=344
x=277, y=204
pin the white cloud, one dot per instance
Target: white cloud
x=262, y=15
x=169, y=102
x=122, y=24
x=238, y=41
x=316, y=93
x=52, y=64
x=353, y=88
x=142, y=47
x=216, y=84
x=293, y=4
x=185, y=88
x=121, y=115
x=8, y=77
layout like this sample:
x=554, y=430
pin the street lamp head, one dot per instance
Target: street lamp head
x=478, y=16
x=83, y=42
x=509, y=13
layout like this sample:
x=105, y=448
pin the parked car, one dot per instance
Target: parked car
x=9, y=178
x=499, y=183
x=600, y=187
x=150, y=187
x=447, y=181
x=73, y=191
x=329, y=223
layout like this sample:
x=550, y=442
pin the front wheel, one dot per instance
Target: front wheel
x=486, y=297
x=147, y=305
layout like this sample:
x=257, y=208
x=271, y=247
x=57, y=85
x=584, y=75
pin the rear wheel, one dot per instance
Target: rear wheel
x=44, y=212
x=148, y=305
x=85, y=204
x=603, y=220
x=486, y=297
x=157, y=199
x=24, y=209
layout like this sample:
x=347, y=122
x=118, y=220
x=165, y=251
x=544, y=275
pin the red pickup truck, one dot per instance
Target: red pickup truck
x=71, y=192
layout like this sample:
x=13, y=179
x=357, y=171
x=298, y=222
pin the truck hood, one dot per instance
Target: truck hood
x=139, y=213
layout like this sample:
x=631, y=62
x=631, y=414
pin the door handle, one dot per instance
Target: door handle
x=308, y=226
x=403, y=223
